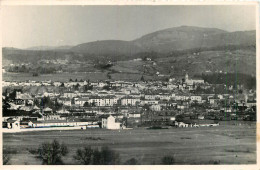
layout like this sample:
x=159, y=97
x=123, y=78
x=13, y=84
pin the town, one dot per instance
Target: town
x=81, y=104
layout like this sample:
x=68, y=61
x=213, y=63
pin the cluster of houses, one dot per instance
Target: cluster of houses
x=116, y=100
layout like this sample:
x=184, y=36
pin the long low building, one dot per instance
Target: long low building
x=55, y=123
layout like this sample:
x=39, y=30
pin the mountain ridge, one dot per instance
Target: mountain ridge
x=161, y=41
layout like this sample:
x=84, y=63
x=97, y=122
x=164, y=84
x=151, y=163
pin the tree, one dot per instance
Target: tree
x=86, y=104
x=72, y=101
x=105, y=156
x=168, y=160
x=35, y=74
x=76, y=87
x=47, y=102
x=142, y=78
x=62, y=85
x=51, y=153
x=12, y=95
x=109, y=157
x=84, y=156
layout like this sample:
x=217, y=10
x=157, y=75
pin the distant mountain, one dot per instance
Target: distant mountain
x=47, y=48
x=108, y=47
x=171, y=39
x=159, y=43
x=10, y=48
x=186, y=37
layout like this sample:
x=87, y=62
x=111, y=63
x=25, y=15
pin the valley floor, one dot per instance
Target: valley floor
x=232, y=142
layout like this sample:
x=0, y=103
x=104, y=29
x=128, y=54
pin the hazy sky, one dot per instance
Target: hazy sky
x=26, y=26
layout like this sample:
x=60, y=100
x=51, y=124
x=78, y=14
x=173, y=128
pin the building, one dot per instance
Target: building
x=192, y=81
x=81, y=101
x=155, y=107
x=134, y=115
x=13, y=124
x=69, y=94
x=129, y=101
x=103, y=100
x=110, y=123
x=196, y=98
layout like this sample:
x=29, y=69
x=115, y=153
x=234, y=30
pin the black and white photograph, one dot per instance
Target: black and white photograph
x=129, y=84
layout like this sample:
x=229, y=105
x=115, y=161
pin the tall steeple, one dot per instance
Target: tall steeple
x=186, y=77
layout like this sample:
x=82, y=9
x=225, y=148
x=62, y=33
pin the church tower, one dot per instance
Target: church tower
x=186, y=77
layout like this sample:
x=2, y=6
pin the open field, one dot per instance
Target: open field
x=62, y=77
x=230, y=143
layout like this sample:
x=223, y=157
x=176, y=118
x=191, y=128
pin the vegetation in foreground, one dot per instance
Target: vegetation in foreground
x=52, y=153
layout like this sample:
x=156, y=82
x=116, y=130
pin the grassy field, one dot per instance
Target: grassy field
x=230, y=143
x=62, y=77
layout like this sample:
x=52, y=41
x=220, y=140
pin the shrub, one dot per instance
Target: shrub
x=105, y=156
x=84, y=156
x=168, y=160
x=51, y=153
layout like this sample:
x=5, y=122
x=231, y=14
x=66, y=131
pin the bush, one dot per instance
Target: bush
x=84, y=156
x=89, y=156
x=51, y=153
x=168, y=160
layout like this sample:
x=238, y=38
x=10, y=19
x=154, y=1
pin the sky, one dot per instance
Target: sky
x=27, y=26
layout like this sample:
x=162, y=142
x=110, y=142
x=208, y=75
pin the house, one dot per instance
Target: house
x=164, y=96
x=181, y=124
x=103, y=100
x=200, y=117
x=134, y=115
x=35, y=108
x=81, y=101
x=54, y=117
x=25, y=108
x=182, y=105
x=149, y=102
x=191, y=81
x=155, y=107
x=110, y=123
x=62, y=111
x=13, y=124
x=69, y=94
x=251, y=103
x=129, y=100
x=181, y=97
x=23, y=96
x=65, y=101
x=47, y=110
x=118, y=116
x=196, y=98
x=213, y=101
x=150, y=97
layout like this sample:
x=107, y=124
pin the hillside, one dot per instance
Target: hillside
x=171, y=50
x=108, y=47
x=47, y=48
x=184, y=37
x=164, y=41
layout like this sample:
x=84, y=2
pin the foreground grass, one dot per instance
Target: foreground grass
x=226, y=144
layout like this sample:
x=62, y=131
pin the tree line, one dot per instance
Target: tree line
x=52, y=153
x=229, y=79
